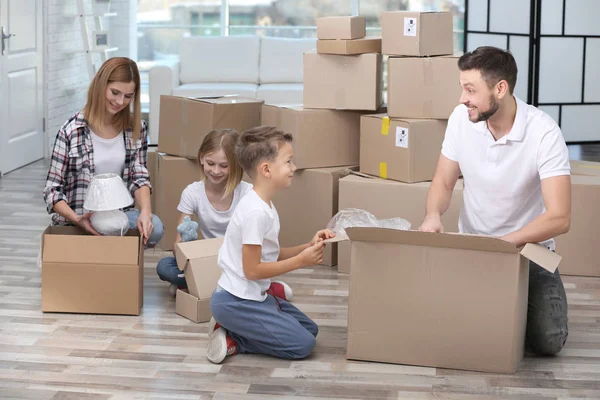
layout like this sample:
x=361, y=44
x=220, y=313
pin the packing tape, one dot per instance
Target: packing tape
x=589, y=166
x=428, y=109
x=340, y=99
x=383, y=170
x=428, y=79
x=385, y=125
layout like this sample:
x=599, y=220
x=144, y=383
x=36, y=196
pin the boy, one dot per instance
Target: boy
x=246, y=317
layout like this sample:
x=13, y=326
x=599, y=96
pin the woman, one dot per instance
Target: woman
x=105, y=137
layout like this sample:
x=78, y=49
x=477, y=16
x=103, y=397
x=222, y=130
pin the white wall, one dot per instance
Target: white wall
x=66, y=75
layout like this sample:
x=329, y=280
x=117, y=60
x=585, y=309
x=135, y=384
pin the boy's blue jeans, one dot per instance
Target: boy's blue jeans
x=273, y=327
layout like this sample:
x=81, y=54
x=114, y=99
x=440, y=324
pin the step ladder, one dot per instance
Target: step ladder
x=87, y=36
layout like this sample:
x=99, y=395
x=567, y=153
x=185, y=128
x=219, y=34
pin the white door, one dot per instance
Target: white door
x=21, y=84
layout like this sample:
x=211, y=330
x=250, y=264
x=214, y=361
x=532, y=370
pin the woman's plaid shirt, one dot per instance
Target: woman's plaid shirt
x=72, y=165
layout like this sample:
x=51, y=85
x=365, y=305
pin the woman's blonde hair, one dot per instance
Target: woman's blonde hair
x=117, y=69
x=226, y=140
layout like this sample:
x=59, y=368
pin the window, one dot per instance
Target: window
x=162, y=23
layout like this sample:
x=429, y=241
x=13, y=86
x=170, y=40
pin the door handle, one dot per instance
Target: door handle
x=4, y=37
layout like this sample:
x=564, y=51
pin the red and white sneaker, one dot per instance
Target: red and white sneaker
x=281, y=289
x=220, y=345
x=213, y=325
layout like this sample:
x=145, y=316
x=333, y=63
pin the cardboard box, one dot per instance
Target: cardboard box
x=199, y=261
x=407, y=33
x=405, y=150
x=579, y=246
x=191, y=307
x=588, y=168
x=152, y=166
x=423, y=87
x=174, y=174
x=341, y=27
x=92, y=274
x=316, y=191
x=390, y=199
x=349, y=47
x=342, y=82
x=322, y=138
x=457, y=301
x=184, y=122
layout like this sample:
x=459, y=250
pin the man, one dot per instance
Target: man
x=517, y=184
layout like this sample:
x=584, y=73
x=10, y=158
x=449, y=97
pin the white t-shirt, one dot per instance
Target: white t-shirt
x=212, y=223
x=253, y=222
x=502, y=179
x=109, y=154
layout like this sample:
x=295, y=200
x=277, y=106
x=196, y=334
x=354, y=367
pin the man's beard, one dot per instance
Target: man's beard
x=493, y=108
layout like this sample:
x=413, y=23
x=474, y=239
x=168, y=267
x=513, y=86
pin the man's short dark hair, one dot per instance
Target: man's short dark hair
x=493, y=63
x=258, y=144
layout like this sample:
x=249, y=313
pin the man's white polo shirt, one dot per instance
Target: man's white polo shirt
x=502, y=179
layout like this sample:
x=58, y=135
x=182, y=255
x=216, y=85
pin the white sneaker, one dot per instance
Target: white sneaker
x=220, y=345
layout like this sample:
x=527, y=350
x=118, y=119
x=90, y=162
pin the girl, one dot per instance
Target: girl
x=105, y=137
x=213, y=199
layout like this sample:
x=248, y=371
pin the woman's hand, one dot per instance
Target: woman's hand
x=83, y=222
x=144, y=225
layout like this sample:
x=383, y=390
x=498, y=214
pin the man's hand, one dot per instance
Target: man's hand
x=432, y=223
x=83, y=222
x=144, y=225
x=323, y=234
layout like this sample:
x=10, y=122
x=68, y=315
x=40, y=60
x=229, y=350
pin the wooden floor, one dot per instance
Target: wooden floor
x=160, y=355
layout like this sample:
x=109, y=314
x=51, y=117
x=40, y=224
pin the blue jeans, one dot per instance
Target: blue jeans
x=168, y=271
x=273, y=327
x=157, y=233
x=547, y=321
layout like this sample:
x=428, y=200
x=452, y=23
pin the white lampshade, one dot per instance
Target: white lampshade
x=107, y=192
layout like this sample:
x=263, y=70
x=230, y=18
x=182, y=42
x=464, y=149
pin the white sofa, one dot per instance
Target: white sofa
x=258, y=67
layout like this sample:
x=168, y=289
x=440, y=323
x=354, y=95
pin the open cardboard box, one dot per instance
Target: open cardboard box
x=82, y=273
x=198, y=260
x=439, y=299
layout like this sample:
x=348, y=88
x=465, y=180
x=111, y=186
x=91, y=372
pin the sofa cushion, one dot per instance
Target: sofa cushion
x=281, y=59
x=220, y=59
x=216, y=89
x=281, y=93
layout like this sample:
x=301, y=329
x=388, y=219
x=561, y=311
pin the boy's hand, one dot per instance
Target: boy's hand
x=323, y=234
x=313, y=255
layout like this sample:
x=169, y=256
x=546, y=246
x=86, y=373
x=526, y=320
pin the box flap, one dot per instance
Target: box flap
x=69, y=244
x=540, y=255
x=186, y=251
x=446, y=240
